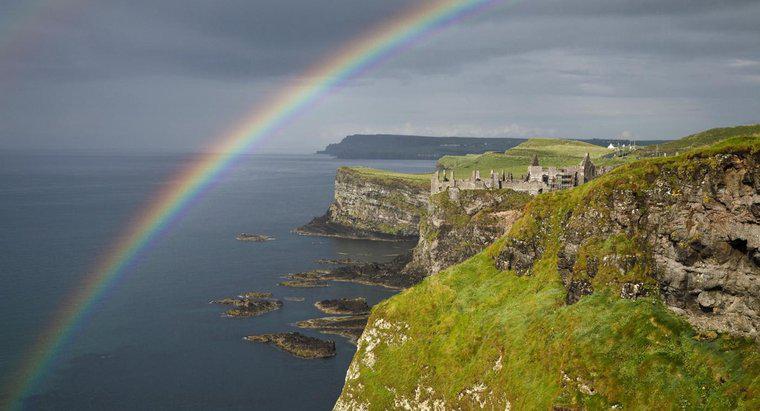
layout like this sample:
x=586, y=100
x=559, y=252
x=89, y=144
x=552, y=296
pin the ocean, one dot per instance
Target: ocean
x=153, y=341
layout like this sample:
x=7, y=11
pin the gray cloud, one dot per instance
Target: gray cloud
x=172, y=74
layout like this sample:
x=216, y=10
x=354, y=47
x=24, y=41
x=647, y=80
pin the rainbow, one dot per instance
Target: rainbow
x=357, y=57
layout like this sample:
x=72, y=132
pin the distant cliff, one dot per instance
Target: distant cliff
x=389, y=146
x=373, y=204
x=638, y=290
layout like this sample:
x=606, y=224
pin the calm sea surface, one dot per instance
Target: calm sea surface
x=153, y=341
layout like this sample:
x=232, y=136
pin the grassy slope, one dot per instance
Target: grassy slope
x=702, y=139
x=551, y=152
x=635, y=353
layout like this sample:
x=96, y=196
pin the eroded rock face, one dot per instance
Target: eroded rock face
x=459, y=224
x=690, y=232
x=368, y=206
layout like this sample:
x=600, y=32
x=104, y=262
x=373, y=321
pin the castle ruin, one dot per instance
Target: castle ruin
x=538, y=180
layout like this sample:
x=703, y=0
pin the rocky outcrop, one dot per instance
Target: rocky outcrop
x=249, y=307
x=687, y=229
x=372, y=204
x=459, y=224
x=350, y=327
x=352, y=306
x=297, y=344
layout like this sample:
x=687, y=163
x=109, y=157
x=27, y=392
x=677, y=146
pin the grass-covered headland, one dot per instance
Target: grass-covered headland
x=475, y=336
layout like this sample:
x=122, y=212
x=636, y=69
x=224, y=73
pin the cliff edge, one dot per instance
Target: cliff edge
x=373, y=204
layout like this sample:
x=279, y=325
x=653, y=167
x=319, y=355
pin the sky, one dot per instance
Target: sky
x=174, y=75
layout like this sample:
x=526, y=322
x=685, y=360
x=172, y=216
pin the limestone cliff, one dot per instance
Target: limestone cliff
x=373, y=204
x=638, y=290
x=459, y=224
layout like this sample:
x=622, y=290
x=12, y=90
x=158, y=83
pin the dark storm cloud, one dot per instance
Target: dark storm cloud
x=171, y=73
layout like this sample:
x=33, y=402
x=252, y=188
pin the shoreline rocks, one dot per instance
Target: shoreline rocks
x=255, y=238
x=344, y=306
x=297, y=344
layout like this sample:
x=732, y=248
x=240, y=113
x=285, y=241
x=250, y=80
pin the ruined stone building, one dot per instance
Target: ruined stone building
x=538, y=179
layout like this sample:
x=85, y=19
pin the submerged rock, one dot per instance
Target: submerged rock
x=352, y=306
x=256, y=238
x=296, y=299
x=297, y=344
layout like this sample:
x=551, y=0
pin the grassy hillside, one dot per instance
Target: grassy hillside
x=551, y=152
x=475, y=334
x=702, y=139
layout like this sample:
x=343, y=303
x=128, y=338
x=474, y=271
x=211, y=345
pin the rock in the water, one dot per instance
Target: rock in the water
x=350, y=327
x=248, y=307
x=255, y=294
x=256, y=238
x=351, y=306
x=297, y=344
x=303, y=284
x=296, y=299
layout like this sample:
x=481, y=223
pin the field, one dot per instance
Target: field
x=551, y=152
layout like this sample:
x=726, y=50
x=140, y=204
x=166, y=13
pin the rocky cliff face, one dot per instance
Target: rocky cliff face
x=371, y=204
x=638, y=290
x=687, y=230
x=459, y=224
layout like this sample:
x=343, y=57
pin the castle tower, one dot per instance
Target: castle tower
x=587, y=170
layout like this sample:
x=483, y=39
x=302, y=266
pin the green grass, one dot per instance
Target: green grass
x=551, y=152
x=635, y=354
x=391, y=178
x=698, y=140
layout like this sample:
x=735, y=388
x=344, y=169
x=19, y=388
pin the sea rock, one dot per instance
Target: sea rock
x=256, y=238
x=297, y=344
x=255, y=294
x=303, y=284
x=350, y=327
x=351, y=306
x=249, y=307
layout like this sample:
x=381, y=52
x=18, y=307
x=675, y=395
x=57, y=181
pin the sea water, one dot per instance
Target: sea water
x=153, y=341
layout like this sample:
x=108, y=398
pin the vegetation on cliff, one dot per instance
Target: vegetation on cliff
x=499, y=331
x=702, y=139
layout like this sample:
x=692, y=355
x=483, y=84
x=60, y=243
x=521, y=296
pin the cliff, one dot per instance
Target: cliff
x=638, y=290
x=390, y=146
x=460, y=224
x=373, y=204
